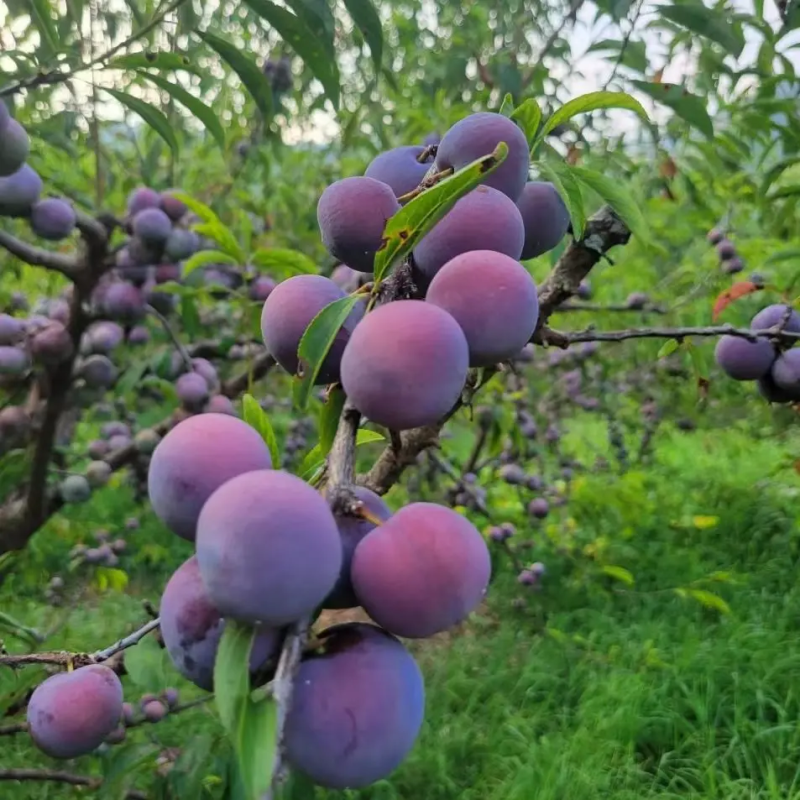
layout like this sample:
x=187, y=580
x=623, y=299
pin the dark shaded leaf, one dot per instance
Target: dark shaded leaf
x=686, y=105
x=151, y=115
x=369, y=23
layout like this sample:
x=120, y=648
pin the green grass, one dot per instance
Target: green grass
x=596, y=689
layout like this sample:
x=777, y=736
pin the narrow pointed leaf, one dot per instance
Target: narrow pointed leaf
x=592, y=102
x=686, y=105
x=316, y=457
x=528, y=116
x=204, y=258
x=369, y=23
x=152, y=59
x=41, y=14
x=257, y=418
x=707, y=22
x=198, y=108
x=329, y=419
x=247, y=70
x=318, y=17
x=150, y=114
x=280, y=261
x=317, y=342
x=569, y=188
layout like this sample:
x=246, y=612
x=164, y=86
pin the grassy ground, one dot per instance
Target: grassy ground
x=596, y=689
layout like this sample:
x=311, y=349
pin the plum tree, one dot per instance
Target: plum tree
x=14, y=147
x=254, y=538
x=192, y=627
x=182, y=475
x=743, y=360
x=19, y=191
x=786, y=373
x=352, y=214
x=53, y=219
x=545, y=217
x=352, y=530
x=71, y=713
x=123, y=301
x=357, y=708
x=493, y=298
x=399, y=168
x=405, y=364
x=51, y=345
x=152, y=226
x=477, y=135
x=422, y=571
x=142, y=198
x=484, y=219
x=288, y=311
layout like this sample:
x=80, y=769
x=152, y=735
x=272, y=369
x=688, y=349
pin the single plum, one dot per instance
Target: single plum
x=405, y=364
x=14, y=147
x=493, y=298
x=399, y=168
x=357, y=708
x=152, y=226
x=142, y=198
x=52, y=345
x=254, y=538
x=53, y=219
x=545, y=217
x=743, y=360
x=786, y=373
x=19, y=191
x=71, y=713
x=422, y=571
x=194, y=459
x=352, y=214
x=288, y=311
x=477, y=135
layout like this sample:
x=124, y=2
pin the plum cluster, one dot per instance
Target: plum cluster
x=729, y=259
x=404, y=364
x=50, y=218
x=774, y=367
x=358, y=698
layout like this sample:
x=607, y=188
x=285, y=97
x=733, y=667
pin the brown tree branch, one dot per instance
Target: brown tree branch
x=678, y=333
x=35, y=256
x=600, y=308
x=61, y=776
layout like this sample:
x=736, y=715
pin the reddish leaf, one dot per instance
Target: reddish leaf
x=729, y=295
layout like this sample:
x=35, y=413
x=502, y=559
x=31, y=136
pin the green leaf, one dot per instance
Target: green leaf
x=669, y=347
x=151, y=115
x=329, y=419
x=792, y=254
x=315, y=457
x=195, y=106
x=190, y=317
x=281, y=261
x=247, y=70
x=697, y=359
x=251, y=726
x=785, y=191
x=146, y=669
x=316, y=342
x=120, y=769
x=686, y=105
x=203, y=258
x=414, y=220
x=369, y=23
x=619, y=574
x=41, y=15
x=776, y=170
x=634, y=56
x=257, y=418
x=707, y=22
x=232, y=673
x=213, y=227
x=709, y=600
x=153, y=60
x=319, y=19
x=616, y=194
x=309, y=47
x=507, y=106
x=528, y=116
x=568, y=187
x=592, y=102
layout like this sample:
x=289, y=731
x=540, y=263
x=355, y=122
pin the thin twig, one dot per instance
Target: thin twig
x=677, y=333
x=600, y=308
x=61, y=776
x=128, y=641
x=182, y=352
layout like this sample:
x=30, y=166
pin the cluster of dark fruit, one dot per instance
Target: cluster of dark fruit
x=729, y=259
x=775, y=367
x=21, y=187
x=106, y=553
x=297, y=438
x=279, y=73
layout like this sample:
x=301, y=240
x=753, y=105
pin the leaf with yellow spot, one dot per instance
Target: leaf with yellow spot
x=704, y=523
